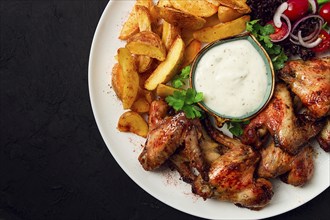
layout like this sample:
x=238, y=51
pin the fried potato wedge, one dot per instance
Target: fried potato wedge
x=143, y=63
x=164, y=3
x=143, y=17
x=133, y=122
x=226, y=14
x=169, y=67
x=117, y=80
x=222, y=30
x=180, y=18
x=165, y=90
x=187, y=36
x=200, y=8
x=130, y=77
x=190, y=53
x=147, y=43
x=211, y=21
x=131, y=26
x=141, y=105
x=238, y=5
x=169, y=33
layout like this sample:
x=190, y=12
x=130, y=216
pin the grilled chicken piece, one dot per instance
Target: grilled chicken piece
x=279, y=119
x=324, y=137
x=166, y=135
x=295, y=170
x=231, y=175
x=310, y=81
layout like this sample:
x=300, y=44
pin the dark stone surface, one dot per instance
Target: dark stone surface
x=53, y=161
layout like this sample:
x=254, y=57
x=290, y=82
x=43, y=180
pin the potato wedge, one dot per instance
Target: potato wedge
x=190, y=53
x=130, y=76
x=226, y=14
x=187, y=36
x=143, y=63
x=238, y=5
x=133, y=122
x=180, y=18
x=141, y=105
x=143, y=17
x=200, y=8
x=165, y=90
x=169, y=67
x=211, y=21
x=169, y=33
x=222, y=30
x=164, y=3
x=117, y=80
x=147, y=43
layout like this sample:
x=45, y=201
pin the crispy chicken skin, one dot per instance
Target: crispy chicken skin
x=231, y=175
x=279, y=119
x=167, y=135
x=295, y=170
x=310, y=81
x=324, y=137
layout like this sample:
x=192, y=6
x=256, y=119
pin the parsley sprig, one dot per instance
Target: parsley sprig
x=275, y=51
x=236, y=127
x=186, y=100
x=179, y=80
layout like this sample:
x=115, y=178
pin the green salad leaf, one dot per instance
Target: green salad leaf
x=178, y=80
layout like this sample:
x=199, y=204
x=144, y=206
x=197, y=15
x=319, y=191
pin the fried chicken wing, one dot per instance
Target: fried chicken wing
x=279, y=119
x=166, y=136
x=231, y=175
x=292, y=169
x=310, y=81
x=324, y=137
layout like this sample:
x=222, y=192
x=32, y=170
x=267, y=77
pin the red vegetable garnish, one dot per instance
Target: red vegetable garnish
x=325, y=12
x=296, y=9
x=279, y=33
x=325, y=44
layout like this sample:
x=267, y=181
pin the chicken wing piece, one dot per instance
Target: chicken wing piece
x=231, y=175
x=310, y=81
x=295, y=170
x=279, y=119
x=324, y=137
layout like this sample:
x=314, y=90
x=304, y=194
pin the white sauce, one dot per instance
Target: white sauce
x=232, y=77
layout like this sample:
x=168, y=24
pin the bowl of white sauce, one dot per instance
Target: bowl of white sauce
x=236, y=77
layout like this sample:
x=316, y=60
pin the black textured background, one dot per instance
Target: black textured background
x=53, y=161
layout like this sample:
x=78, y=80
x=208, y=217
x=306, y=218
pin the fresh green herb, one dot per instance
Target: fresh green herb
x=185, y=100
x=261, y=33
x=178, y=80
x=320, y=2
x=236, y=127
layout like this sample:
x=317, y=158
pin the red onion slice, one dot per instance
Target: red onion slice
x=314, y=5
x=287, y=20
x=308, y=44
x=278, y=13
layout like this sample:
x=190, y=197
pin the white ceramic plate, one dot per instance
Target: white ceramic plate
x=165, y=185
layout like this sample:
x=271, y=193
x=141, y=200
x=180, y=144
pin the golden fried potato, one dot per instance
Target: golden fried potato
x=130, y=77
x=131, y=26
x=133, y=122
x=169, y=33
x=200, y=8
x=226, y=14
x=169, y=67
x=222, y=30
x=165, y=90
x=164, y=3
x=143, y=63
x=238, y=5
x=190, y=53
x=117, y=80
x=147, y=43
x=180, y=18
x=143, y=17
x=141, y=105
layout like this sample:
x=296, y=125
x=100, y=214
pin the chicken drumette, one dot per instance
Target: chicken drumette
x=167, y=134
x=231, y=175
x=310, y=81
x=289, y=132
